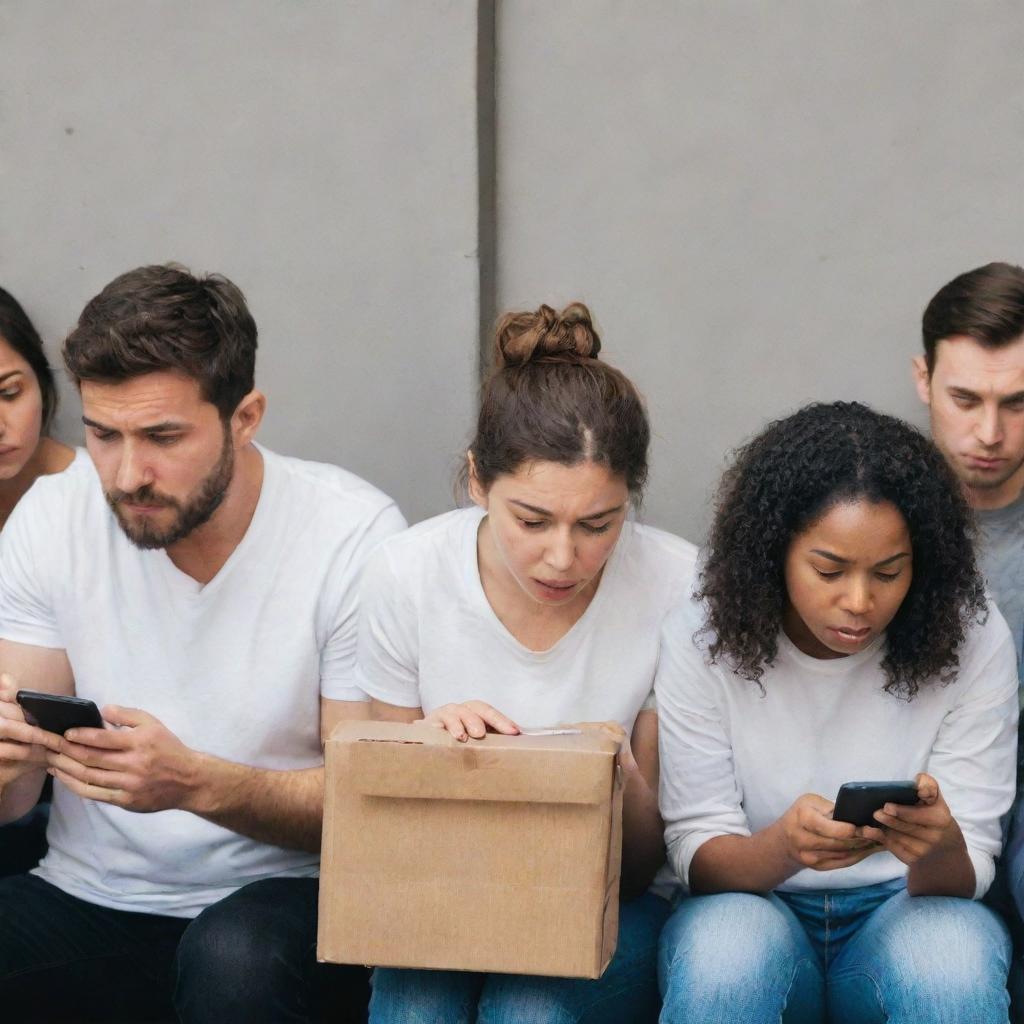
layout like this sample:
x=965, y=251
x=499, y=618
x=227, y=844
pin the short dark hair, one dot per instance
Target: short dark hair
x=17, y=330
x=549, y=398
x=790, y=475
x=986, y=304
x=165, y=318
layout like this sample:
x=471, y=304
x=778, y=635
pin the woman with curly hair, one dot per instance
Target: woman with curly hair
x=840, y=633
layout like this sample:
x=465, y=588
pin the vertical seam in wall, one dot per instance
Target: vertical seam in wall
x=486, y=148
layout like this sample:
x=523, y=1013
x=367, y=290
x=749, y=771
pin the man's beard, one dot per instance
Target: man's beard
x=193, y=513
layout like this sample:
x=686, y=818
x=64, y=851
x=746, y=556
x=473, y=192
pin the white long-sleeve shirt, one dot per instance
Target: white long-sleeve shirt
x=734, y=758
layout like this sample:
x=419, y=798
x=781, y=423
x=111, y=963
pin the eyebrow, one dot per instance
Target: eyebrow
x=839, y=560
x=10, y=373
x=153, y=429
x=546, y=512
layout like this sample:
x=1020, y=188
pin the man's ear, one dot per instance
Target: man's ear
x=922, y=379
x=246, y=418
x=477, y=491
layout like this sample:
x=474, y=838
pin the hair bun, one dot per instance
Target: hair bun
x=523, y=338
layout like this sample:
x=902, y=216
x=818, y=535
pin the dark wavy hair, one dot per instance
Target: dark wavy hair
x=790, y=475
x=163, y=317
x=18, y=331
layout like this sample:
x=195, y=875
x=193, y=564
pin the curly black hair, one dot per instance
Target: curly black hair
x=790, y=475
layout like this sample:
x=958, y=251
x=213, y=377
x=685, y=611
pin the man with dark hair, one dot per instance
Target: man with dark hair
x=971, y=377
x=202, y=590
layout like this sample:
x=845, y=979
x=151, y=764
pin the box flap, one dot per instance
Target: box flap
x=389, y=759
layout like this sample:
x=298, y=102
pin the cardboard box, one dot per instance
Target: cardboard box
x=499, y=854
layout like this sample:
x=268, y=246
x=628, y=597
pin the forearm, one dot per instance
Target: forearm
x=643, y=844
x=19, y=795
x=757, y=863
x=946, y=871
x=283, y=808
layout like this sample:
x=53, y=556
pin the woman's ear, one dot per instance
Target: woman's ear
x=477, y=491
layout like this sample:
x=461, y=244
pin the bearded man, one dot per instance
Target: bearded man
x=202, y=591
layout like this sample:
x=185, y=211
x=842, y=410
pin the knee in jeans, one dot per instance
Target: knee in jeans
x=941, y=945
x=731, y=939
x=226, y=950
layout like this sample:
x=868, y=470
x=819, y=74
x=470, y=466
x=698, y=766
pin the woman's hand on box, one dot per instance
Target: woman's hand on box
x=473, y=718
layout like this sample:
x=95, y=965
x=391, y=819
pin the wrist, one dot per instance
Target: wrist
x=197, y=784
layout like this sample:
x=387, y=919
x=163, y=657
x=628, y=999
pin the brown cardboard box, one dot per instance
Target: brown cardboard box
x=499, y=854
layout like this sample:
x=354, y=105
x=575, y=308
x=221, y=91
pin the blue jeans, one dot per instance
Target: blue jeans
x=853, y=956
x=627, y=991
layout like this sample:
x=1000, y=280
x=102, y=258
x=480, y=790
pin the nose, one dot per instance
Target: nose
x=561, y=551
x=856, y=598
x=133, y=471
x=989, y=430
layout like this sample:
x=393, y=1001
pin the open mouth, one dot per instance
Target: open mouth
x=849, y=634
x=556, y=588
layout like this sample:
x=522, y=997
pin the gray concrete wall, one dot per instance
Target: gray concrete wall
x=757, y=199
x=320, y=153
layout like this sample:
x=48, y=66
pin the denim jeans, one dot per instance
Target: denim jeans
x=627, y=991
x=249, y=958
x=853, y=956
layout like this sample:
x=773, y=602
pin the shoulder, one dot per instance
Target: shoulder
x=987, y=642
x=327, y=505
x=660, y=558
x=430, y=545
x=76, y=485
x=684, y=632
x=328, y=483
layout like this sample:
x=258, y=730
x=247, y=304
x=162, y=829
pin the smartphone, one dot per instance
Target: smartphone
x=858, y=801
x=58, y=714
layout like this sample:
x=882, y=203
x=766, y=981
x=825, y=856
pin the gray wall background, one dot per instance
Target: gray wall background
x=756, y=198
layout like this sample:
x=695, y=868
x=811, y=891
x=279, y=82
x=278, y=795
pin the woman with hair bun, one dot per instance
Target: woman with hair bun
x=28, y=400
x=540, y=604
x=840, y=633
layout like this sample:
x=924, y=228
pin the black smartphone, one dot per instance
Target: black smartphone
x=58, y=714
x=858, y=801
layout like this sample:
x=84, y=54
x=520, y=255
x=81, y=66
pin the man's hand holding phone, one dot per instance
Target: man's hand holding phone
x=813, y=840
x=140, y=766
x=23, y=748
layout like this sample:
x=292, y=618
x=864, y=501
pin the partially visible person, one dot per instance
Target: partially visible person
x=971, y=377
x=28, y=401
x=540, y=604
x=840, y=634
x=202, y=590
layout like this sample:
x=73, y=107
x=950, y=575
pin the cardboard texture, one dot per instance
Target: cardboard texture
x=499, y=854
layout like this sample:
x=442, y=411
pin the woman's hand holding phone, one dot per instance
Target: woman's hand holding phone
x=813, y=840
x=913, y=832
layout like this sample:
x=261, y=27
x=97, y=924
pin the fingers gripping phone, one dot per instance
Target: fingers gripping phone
x=58, y=714
x=858, y=801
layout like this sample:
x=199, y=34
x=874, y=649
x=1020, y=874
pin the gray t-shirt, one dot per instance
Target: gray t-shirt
x=1001, y=559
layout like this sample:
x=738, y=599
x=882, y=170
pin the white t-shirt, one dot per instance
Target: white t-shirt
x=235, y=668
x=733, y=760
x=428, y=635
